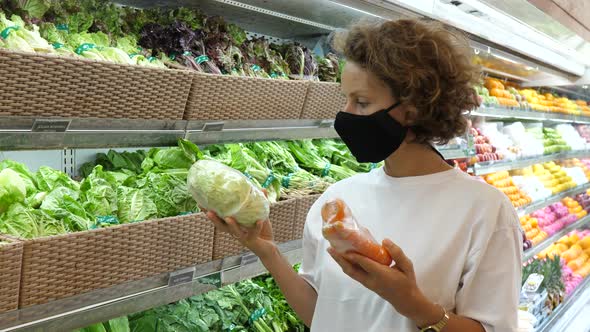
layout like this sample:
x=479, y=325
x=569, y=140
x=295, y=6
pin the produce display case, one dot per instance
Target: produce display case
x=66, y=105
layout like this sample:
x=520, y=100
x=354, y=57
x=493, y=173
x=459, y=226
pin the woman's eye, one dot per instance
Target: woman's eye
x=362, y=104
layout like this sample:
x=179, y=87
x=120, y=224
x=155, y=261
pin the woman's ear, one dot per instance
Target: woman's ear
x=409, y=114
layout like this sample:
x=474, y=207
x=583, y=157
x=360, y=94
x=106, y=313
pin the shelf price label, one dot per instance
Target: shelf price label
x=181, y=276
x=50, y=126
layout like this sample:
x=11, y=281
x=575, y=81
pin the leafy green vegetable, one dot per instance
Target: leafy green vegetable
x=25, y=174
x=99, y=193
x=49, y=179
x=63, y=204
x=135, y=205
x=116, y=161
x=181, y=157
x=226, y=191
x=29, y=223
x=12, y=189
x=308, y=156
x=169, y=192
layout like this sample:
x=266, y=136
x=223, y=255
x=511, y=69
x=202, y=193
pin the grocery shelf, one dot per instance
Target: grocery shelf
x=498, y=112
x=24, y=133
x=567, y=310
x=507, y=165
x=105, y=304
x=553, y=199
x=553, y=238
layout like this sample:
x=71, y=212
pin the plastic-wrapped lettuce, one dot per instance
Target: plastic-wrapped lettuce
x=227, y=192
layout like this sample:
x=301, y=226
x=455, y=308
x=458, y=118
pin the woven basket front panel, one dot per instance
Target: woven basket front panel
x=63, y=266
x=11, y=256
x=303, y=206
x=282, y=218
x=51, y=86
x=323, y=101
x=217, y=97
x=224, y=245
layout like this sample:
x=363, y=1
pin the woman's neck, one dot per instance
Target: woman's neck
x=412, y=159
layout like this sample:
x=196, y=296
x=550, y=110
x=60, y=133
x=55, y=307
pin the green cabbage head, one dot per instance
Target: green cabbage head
x=227, y=192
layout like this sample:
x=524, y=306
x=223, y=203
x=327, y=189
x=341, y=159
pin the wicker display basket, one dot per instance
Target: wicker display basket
x=62, y=266
x=323, y=101
x=217, y=97
x=282, y=215
x=303, y=206
x=52, y=86
x=11, y=254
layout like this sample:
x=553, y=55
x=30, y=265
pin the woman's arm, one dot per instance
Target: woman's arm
x=430, y=314
x=299, y=294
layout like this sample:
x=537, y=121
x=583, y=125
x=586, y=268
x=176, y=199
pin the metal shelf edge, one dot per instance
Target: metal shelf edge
x=521, y=163
x=80, y=311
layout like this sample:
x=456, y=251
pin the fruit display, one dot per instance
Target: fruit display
x=529, y=144
x=571, y=137
x=577, y=163
x=584, y=200
x=484, y=96
x=550, y=103
x=554, y=218
x=504, y=145
x=553, y=177
x=574, y=207
x=484, y=150
x=504, y=183
x=553, y=141
x=503, y=96
x=529, y=184
x=533, y=233
x=543, y=287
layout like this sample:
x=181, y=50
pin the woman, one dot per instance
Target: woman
x=455, y=241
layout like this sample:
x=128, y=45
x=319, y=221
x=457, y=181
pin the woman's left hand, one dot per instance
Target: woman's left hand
x=395, y=284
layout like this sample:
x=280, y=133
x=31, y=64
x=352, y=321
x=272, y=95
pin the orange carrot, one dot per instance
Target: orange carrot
x=335, y=214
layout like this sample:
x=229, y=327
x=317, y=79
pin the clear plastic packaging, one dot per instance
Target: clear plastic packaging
x=345, y=234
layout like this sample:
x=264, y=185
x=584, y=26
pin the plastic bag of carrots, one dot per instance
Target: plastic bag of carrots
x=345, y=234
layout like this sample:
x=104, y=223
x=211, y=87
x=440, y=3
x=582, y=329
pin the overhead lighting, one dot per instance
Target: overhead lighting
x=356, y=9
x=584, y=87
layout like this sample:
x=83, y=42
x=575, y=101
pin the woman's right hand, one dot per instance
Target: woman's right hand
x=258, y=239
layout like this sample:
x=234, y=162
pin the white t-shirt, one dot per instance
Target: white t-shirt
x=462, y=235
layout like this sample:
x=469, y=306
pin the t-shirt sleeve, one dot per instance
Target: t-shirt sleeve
x=491, y=278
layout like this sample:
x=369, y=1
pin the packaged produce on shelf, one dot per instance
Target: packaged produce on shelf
x=179, y=38
x=504, y=97
x=543, y=287
x=571, y=137
x=554, y=218
x=504, y=145
x=576, y=163
x=553, y=141
x=553, y=177
x=484, y=150
x=527, y=142
x=504, y=183
x=529, y=184
x=584, y=200
x=533, y=233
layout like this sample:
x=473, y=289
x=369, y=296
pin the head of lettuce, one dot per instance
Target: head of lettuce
x=227, y=192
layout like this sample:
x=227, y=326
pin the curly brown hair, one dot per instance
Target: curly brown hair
x=424, y=64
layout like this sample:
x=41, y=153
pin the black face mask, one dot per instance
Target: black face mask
x=371, y=138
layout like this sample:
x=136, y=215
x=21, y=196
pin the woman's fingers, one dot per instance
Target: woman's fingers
x=217, y=222
x=234, y=228
x=254, y=233
x=349, y=268
x=402, y=261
